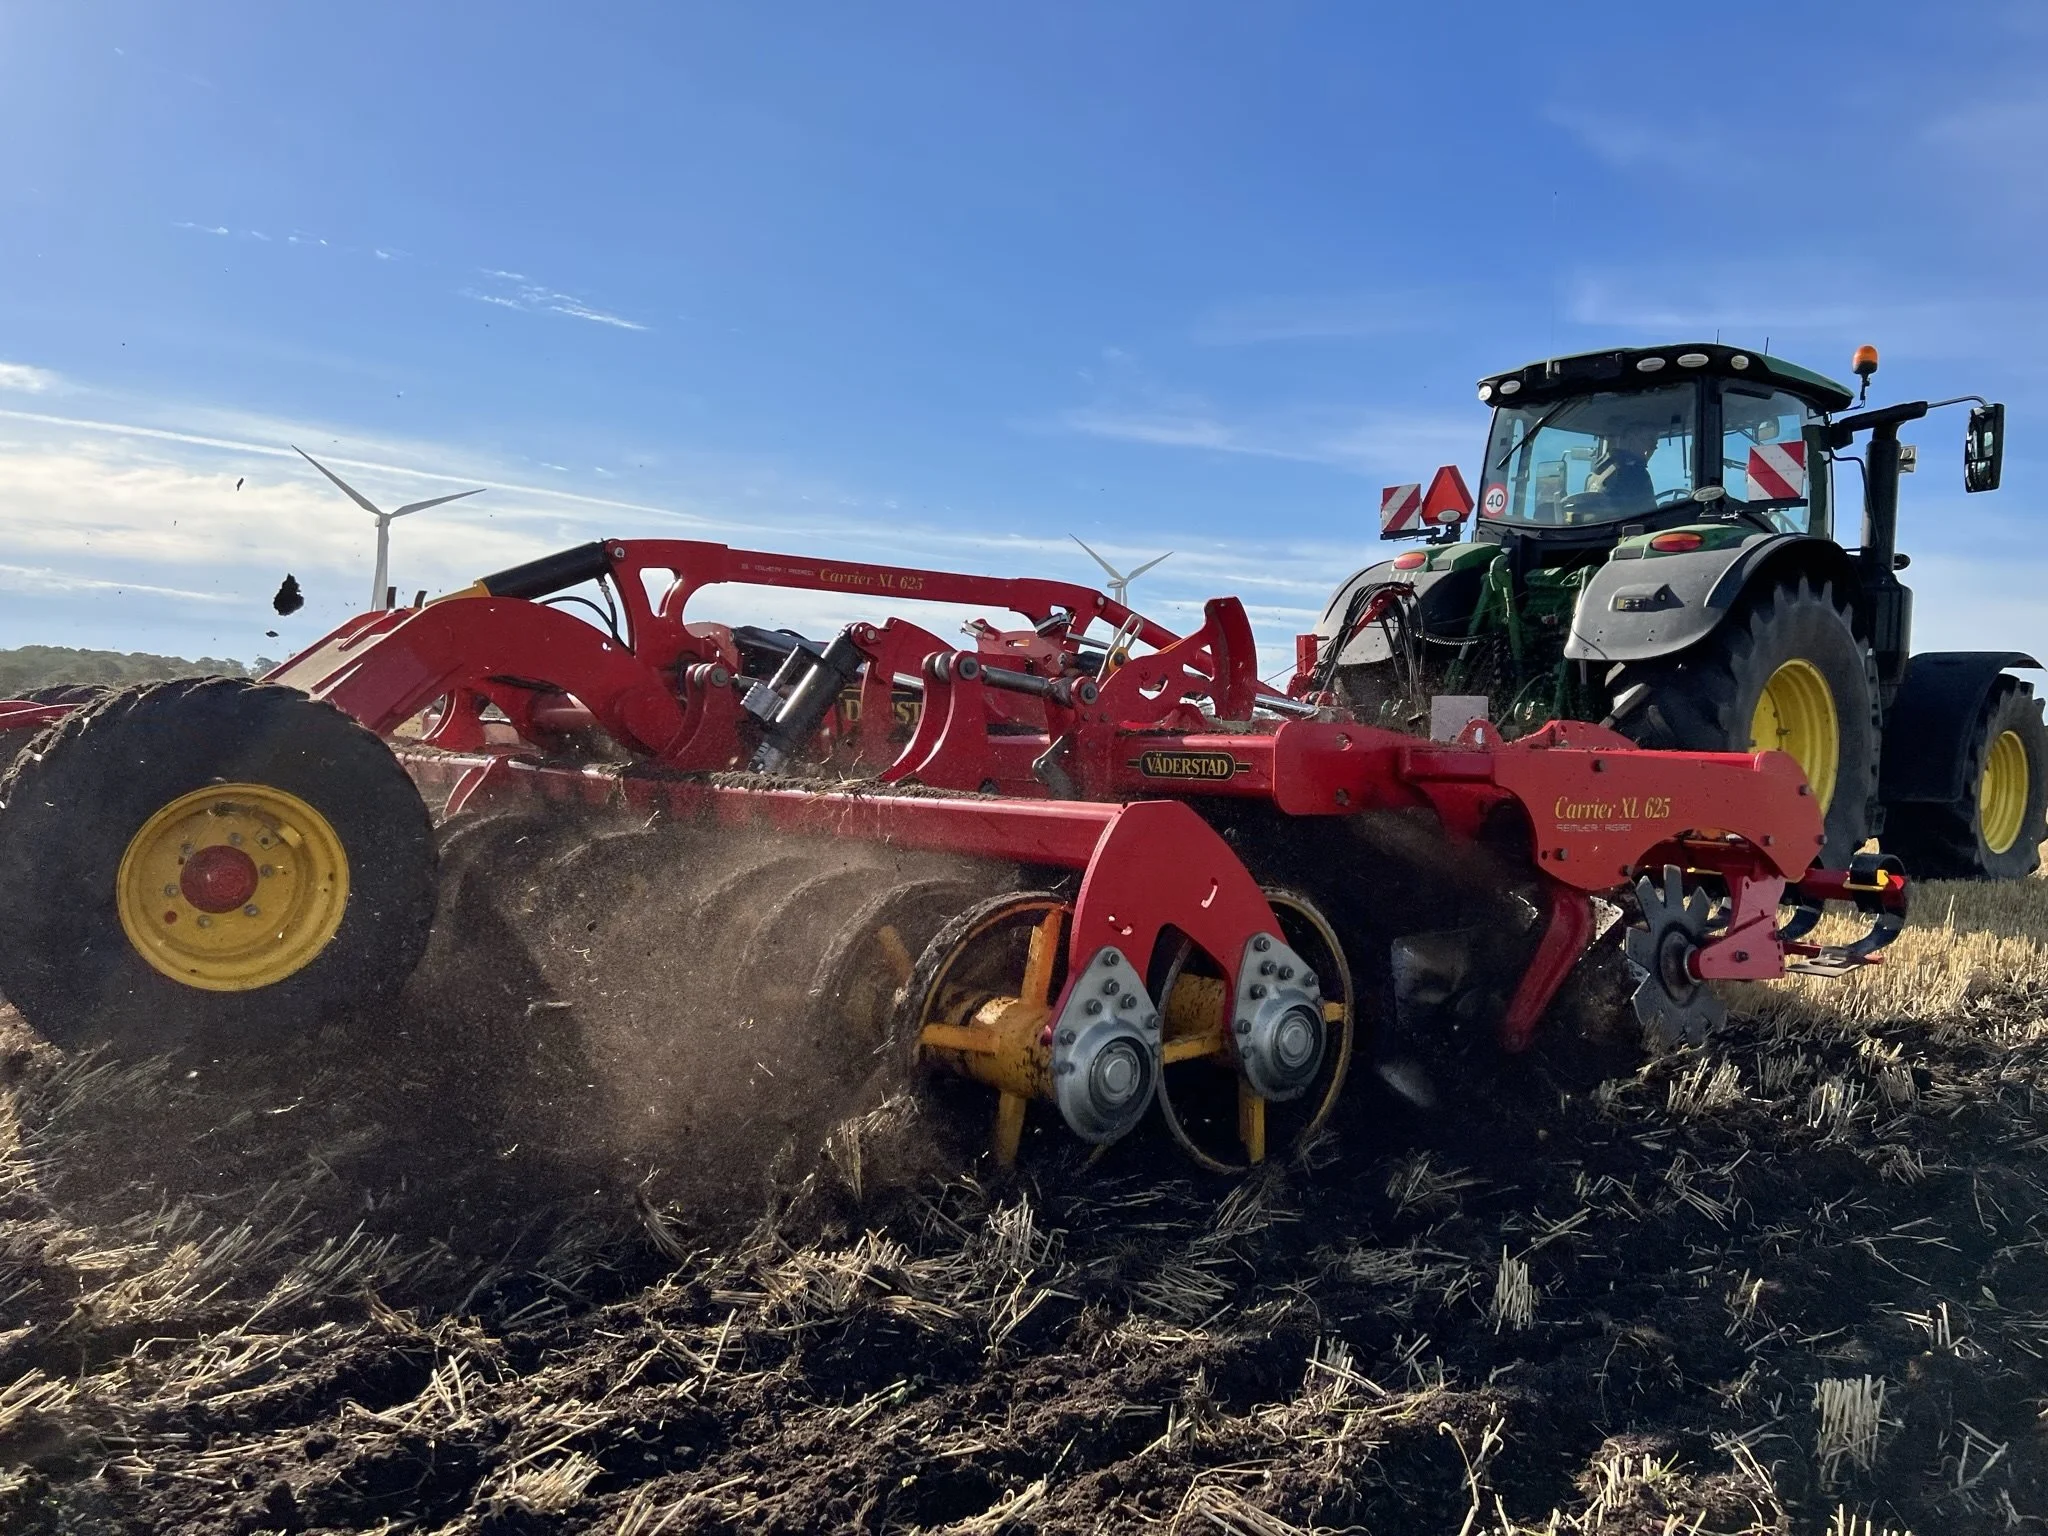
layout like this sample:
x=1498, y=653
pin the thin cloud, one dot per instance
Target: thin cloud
x=149, y=511
x=296, y=237
x=2007, y=126
x=44, y=580
x=1164, y=429
x=23, y=379
x=1133, y=405
x=1802, y=310
x=315, y=434
x=576, y=310
x=1636, y=144
x=516, y=292
x=1359, y=442
x=1983, y=159
x=131, y=508
x=1327, y=317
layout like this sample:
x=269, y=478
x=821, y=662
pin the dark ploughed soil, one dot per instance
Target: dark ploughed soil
x=384, y=1287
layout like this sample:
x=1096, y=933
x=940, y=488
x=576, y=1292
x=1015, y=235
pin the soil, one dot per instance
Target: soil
x=402, y=1277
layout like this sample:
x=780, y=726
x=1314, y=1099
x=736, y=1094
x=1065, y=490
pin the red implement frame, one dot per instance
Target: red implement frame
x=1089, y=755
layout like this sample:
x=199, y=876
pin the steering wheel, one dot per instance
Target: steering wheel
x=1590, y=502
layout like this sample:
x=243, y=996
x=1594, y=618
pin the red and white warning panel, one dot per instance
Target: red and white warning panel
x=1777, y=472
x=1400, y=510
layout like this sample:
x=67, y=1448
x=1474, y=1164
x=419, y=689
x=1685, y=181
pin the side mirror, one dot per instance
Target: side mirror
x=1984, y=448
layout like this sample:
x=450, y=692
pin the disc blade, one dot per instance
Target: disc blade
x=1640, y=947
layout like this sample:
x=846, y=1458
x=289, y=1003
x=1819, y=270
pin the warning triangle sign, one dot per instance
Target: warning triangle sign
x=1447, y=501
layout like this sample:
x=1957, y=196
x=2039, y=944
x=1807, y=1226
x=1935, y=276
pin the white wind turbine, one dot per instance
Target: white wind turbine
x=1120, y=581
x=380, y=587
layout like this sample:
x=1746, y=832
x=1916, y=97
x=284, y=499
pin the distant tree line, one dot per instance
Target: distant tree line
x=29, y=667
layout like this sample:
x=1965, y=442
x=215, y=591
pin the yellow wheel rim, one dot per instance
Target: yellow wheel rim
x=1796, y=714
x=232, y=888
x=2002, y=793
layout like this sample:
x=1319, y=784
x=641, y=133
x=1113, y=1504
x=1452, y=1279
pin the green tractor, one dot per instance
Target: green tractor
x=1656, y=549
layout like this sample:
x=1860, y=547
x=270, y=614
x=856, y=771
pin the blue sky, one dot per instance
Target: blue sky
x=944, y=283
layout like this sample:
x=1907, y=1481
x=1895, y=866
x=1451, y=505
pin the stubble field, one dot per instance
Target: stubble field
x=1794, y=1281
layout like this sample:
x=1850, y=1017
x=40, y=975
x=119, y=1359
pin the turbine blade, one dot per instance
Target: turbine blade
x=1114, y=573
x=1141, y=570
x=421, y=506
x=347, y=490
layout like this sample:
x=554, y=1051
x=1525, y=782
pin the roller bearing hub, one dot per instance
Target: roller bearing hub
x=1296, y=1042
x=1278, y=1020
x=1105, y=1062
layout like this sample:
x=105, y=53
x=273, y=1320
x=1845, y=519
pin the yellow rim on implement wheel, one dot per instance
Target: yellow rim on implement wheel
x=2002, y=792
x=1795, y=714
x=232, y=887
x=1196, y=1019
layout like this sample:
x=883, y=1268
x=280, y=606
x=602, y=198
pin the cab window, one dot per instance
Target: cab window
x=1597, y=458
x=1765, y=455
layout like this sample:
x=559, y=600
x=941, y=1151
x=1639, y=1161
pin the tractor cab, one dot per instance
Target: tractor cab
x=1585, y=447
x=1598, y=469
x=1655, y=549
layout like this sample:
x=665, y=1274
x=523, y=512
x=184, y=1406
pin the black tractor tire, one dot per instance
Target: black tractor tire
x=1948, y=842
x=70, y=809
x=68, y=693
x=1705, y=699
x=12, y=742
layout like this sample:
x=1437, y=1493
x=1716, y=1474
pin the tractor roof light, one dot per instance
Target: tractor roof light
x=1485, y=392
x=1865, y=362
x=1692, y=359
x=1649, y=364
x=1511, y=386
x=1679, y=541
x=1739, y=361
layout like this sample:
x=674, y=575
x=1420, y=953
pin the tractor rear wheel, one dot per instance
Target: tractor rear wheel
x=1994, y=832
x=204, y=858
x=68, y=693
x=1784, y=671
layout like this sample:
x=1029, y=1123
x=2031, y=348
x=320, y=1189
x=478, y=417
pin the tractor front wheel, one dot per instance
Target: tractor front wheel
x=1785, y=671
x=1994, y=832
x=203, y=858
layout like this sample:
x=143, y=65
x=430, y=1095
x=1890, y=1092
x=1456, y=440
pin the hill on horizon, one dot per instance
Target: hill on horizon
x=29, y=667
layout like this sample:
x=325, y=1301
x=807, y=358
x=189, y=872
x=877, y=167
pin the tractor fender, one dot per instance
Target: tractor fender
x=1927, y=734
x=1669, y=602
x=1444, y=598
